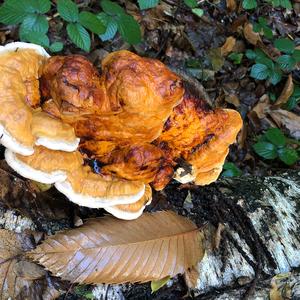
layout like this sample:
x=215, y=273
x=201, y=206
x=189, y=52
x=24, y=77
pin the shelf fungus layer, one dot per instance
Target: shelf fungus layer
x=135, y=118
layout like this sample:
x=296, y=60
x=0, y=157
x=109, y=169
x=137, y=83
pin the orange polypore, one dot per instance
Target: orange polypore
x=135, y=118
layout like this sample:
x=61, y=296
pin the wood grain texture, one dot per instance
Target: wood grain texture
x=107, y=250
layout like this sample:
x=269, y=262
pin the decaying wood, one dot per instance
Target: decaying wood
x=260, y=237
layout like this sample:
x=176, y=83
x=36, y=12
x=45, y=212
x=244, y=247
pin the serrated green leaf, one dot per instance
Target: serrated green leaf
x=236, y=57
x=283, y=3
x=262, y=21
x=249, y=4
x=111, y=30
x=288, y=156
x=275, y=136
x=268, y=33
x=35, y=22
x=296, y=55
x=91, y=22
x=286, y=62
x=79, y=36
x=129, y=29
x=13, y=12
x=68, y=10
x=198, y=12
x=157, y=284
x=275, y=76
x=146, y=4
x=56, y=47
x=191, y=3
x=294, y=99
x=35, y=37
x=231, y=170
x=39, y=6
x=285, y=45
x=259, y=71
x=112, y=8
x=250, y=54
x=256, y=27
x=265, y=150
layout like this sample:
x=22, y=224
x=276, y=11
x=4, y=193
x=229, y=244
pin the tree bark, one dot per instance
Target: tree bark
x=261, y=231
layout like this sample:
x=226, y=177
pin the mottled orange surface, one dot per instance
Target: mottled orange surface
x=137, y=119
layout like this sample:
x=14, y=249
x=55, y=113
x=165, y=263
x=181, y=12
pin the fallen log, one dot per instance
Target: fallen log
x=251, y=226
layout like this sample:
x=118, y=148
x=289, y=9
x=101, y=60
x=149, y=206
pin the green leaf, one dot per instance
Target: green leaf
x=288, y=156
x=285, y=45
x=112, y=8
x=259, y=71
x=198, y=12
x=296, y=55
x=250, y=54
x=268, y=32
x=35, y=22
x=231, y=170
x=146, y=4
x=111, y=30
x=191, y=3
x=157, y=284
x=56, y=47
x=294, y=99
x=262, y=21
x=39, y=6
x=249, y=4
x=35, y=37
x=265, y=150
x=79, y=36
x=91, y=22
x=286, y=62
x=275, y=76
x=275, y=136
x=13, y=12
x=129, y=29
x=236, y=57
x=286, y=4
x=256, y=27
x=68, y=10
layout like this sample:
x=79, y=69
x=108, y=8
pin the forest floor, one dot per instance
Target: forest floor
x=220, y=50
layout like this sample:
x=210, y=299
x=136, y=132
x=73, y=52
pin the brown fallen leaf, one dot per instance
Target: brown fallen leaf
x=231, y=5
x=109, y=250
x=20, y=279
x=251, y=36
x=286, y=120
x=191, y=277
x=262, y=105
x=228, y=46
x=286, y=92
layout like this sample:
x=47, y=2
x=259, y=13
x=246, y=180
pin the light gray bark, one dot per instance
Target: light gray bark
x=273, y=206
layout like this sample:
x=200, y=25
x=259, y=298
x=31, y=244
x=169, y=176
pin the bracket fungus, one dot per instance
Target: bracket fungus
x=136, y=119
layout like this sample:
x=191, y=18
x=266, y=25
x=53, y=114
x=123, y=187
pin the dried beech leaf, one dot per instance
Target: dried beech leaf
x=286, y=120
x=231, y=5
x=286, y=92
x=109, y=250
x=191, y=277
x=19, y=279
x=228, y=46
x=251, y=36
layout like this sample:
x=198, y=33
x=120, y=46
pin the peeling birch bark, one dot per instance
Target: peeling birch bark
x=273, y=207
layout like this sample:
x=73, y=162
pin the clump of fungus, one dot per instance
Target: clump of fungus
x=135, y=118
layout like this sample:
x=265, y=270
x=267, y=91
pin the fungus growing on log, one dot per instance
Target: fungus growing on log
x=135, y=118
